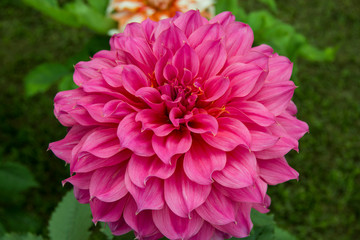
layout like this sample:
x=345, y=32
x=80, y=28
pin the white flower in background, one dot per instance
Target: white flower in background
x=128, y=11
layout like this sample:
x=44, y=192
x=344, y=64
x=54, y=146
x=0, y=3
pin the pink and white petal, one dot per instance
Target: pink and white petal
x=107, y=212
x=215, y=87
x=175, y=227
x=239, y=38
x=217, y=209
x=131, y=136
x=242, y=225
x=108, y=184
x=202, y=160
x=275, y=171
x=240, y=169
x=177, y=142
x=142, y=222
x=182, y=195
x=149, y=198
x=202, y=123
x=140, y=169
x=212, y=56
x=231, y=134
x=262, y=140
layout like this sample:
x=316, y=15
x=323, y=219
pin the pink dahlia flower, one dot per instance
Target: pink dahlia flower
x=178, y=129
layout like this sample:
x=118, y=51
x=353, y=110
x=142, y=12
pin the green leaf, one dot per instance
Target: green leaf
x=99, y=5
x=106, y=231
x=232, y=6
x=16, y=219
x=270, y=3
x=281, y=234
x=18, y=236
x=2, y=230
x=15, y=178
x=51, y=9
x=312, y=53
x=70, y=220
x=67, y=83
x=90, y=17
x=43, y=76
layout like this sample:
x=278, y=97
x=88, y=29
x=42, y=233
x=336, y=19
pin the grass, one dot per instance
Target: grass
x=324, y=204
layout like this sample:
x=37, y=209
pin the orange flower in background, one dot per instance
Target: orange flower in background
x=127, y=11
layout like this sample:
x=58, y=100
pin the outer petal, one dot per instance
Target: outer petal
x=142, y=222
x=231, y=134
x=82, y=195
x=107, y=212
x=202, y=160
x=293, y=126
x=177, y=142
x=217, y=209
x=189, y=22
x=131, y=136
x=108, y=184
x=172, y=38
x=239, y=38
x=140, y=169
x=281, y=147
x=119, y=227
x=174, y=227
x=79, y=180
x=275, y=171
x=150, y=197
x=205, y=33
x=183, y=195
x=133, y=78
x=261, y=140
x=280, y=69
x=240, y=169
x=223, y=18
x=206, y=232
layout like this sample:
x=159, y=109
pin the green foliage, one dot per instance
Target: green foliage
x=76, y=13
x=281, y=36
x=14, y=179
x=43, y=76
x=70, y=220
x=17, y=236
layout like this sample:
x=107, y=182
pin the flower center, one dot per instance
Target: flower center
x=160, y=4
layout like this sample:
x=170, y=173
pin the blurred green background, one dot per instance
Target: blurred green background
x=324, y=204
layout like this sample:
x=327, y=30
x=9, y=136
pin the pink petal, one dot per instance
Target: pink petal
x=133, y=79
x=152, y=98
x=140, y=169
x=231, y=134
x=117, y=109
x=164, y=60
x=205, y=33
x=107, y=212
x=142, y=222
x=202, y=160
x=242, y=225
x=119, y=227
x=175, y=227
x=186, y=58
x=107, y=184
x=102, y=143
x=281, y=147
x=251, y=110
x=172, y=38
x=215, y=87
x=84, y=71
x=190, y=21
x=280, y=69
x=293, y=126
x=261, y=140
x=62, y=149
x=79, y=180
x=177, y=142
x=276, y=96
x=113, y=76
x=154, y=121
x=212, y=56
x=223, y=18
x=151, y=197
x=275, y=171
x=239, y=38
x=183, y=195
x=206, y=232
x=202, y=123
x=131, y=136
x=82, y=195
x=217, y=209
x=243, y=78
x=240, y=169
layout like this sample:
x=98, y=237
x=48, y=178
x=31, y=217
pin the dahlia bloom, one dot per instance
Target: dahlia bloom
x=128, y=11
x=179, y=128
